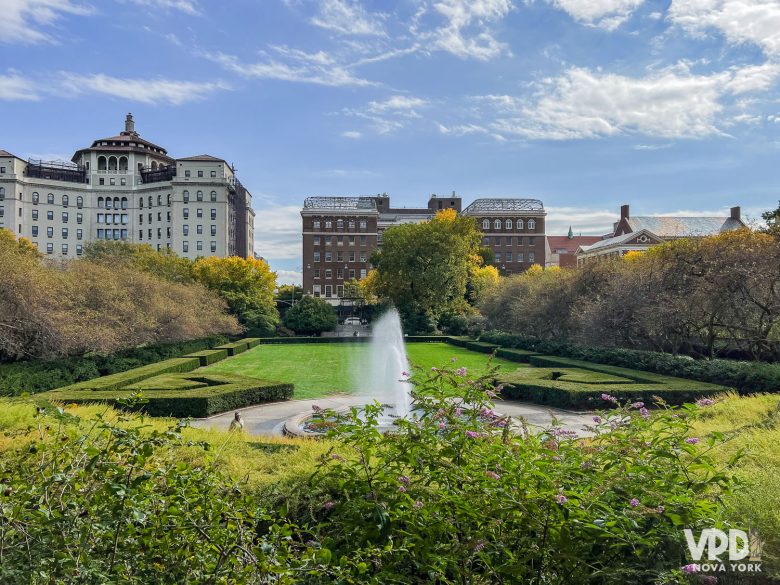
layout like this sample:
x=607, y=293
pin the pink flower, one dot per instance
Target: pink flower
x=458, y=411
x=561, y=499
x=337, y=457
x=402, y=489
x=404, y=480
x=690, y=569
x=597, y=419
x=490, y=394
x=492, y=475
x=644, y=412
x=461, y=372
x=692, y=440
x=634, y=502
x=472, y=434
x=418, y=504
x=609, y=398
x=705, y=402
x=405, y=374
x=638, y=405
x=442, y=425
x=434, y=369
x=479, y=546
x=660, y=509
x=329, y=505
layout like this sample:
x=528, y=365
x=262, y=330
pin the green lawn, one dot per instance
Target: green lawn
x=317, y=369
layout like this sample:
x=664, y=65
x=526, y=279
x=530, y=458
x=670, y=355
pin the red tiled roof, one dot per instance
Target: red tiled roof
x=570, y=245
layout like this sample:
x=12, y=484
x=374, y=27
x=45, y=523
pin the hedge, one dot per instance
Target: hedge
x=568, y=383
x=209, y=356
x=122, y=379
x=362, y=339
x=214, y=393
x=42, y=375
x=746, y=377
x=234, y=348
x=515, y=355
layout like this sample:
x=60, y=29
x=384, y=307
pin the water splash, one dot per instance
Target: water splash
x=384, y=373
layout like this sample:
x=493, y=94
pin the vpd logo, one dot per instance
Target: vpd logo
x=737, y=543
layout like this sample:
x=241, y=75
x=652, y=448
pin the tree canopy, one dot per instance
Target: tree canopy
x=311, y=316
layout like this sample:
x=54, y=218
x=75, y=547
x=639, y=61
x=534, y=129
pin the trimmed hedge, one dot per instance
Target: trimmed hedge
x=209, y=356
x=234, y=348
x=212, y=394
x=41, y=375
x=576, y=384
x=746, y=377
x=480, y=346
x=118, y=381
x=515, y=355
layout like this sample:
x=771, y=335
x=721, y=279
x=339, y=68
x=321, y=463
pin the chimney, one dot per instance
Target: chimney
x=624, y=212
x=736, y=213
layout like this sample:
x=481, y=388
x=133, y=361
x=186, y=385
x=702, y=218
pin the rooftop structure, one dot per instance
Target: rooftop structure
x=507, y=205
x=339, y=203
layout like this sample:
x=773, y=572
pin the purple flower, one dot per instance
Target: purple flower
x=690, y=569
x=405, y=374
x=458, y=411
x=490, y=394
x=644, y=412
x=597, y=419
x=705, y=402
x=337, y=457
x=500, y=423
x=472, y=434
x=315, y=408
x=492, y=475
x=404, y=480
x=479, y=546
x=329, y=505
x=461, y=372
x=638, y=405
x=708, y=579
x=609, y=398
x=660, y=509
x=692, y=440
x=561, y=499
x=442, y=425
x=418, y=504
x=402, y=489
x=634, y=502
x=434, y=369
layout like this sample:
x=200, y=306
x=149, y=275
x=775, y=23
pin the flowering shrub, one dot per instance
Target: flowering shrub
x=460, y=494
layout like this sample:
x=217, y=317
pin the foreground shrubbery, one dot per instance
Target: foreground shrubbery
x=456, y=497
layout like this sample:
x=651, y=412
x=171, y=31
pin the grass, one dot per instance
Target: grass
x=320, y=369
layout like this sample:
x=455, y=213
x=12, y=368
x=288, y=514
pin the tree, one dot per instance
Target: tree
x=286, y=296
x=772, y=219
x=164, y=263
x=311, y=315
x=247, y=284
x=424, y=268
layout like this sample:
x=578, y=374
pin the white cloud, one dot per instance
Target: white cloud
x=583, y=220
x=353, y=134
x=150, y=91
x=398, y=103
x=22, y=20
x=467, y=32
x=607, y=14
x=278, y=232
x=14, y=87
x=466, y=129
x=347, y=18
x=390, y=114
x=740, y=21
x=671, y=103
x=186, y=6
x=289, y=277
x=297, y=66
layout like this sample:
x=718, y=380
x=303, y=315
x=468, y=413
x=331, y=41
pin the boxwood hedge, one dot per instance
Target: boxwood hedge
x=746, y=377
x=122, y=379
x=209, y=356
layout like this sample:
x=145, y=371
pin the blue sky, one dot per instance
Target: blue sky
x=673, y=107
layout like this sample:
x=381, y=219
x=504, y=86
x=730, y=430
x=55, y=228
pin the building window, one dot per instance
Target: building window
x=362, y=256
x=316, y=256
x=316, y=273
x=213, y=246
x=328, y=224
x=508, y=224
x=140, y=234
x=112, y=181
x=328, y=273
x=64, y=249
x=316, y=240
x=186, y=173
x=100, y=233
x=496, y=240
x=213, y=195
x=316, y=290
x=199, y=245
x=213, y=214
x=352, y=256
x=531, y=257
x=351, y=273
x=213, y=230
x=102, y=181
x=340, y=241
x=50, y=248
x=316, y=224
x=363, y=224
x=64, y=233
x=531, y=241
x=64, y=217
x=328, y=240
x=519, y=256
x=200, y=174
x=363, y=273
x=186, y=213
x=2, y=170
x=519, y=224
x=351, y=240
x=363, y=240
x=186, y=229
x=485, y=224
x=351, y=224
x=50, y=215
x=35, y=231
x=340, y=224
x=508, y=240
x=328, y=256
x=199, y=212
x=185, y=246
x=497, y=224
x=199, y=229
x=123, y=181
x=79, y=249
x=79, y=234
x=2, y=211
x=50, y=199
x=498, y=256
x=159, y=200
x=199, y=196
x=213, y=174
x=168, y=199
x=2, y=193
x=35, y=214
x=186, y=196
x=35, y=198
x=339, y=256
x=79, y=202
x=168, y=216
x=531, y=226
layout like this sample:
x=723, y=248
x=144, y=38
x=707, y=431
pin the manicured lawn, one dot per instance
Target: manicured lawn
x=317, y=369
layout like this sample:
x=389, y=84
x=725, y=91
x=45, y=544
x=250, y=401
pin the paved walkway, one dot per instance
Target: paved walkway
x=268, y=419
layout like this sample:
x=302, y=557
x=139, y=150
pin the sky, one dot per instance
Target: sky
x=670, y=106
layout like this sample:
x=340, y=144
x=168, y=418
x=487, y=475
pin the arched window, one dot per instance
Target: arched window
x=116, y=203
x=100, y=203
x=123, y=163
x=50, y=198
x=214, y=198
x=531, y=224
x=87, y=165
x=35, y=198
x=159, y=200
x=519, y=224
x=340, y=224
x=111, y=163
x=186, y=196
x=154, y=165
x=141, y=202
x=169, y=199
x=65, y=200
x=485, y=224
x=79, y=202
x=108, y=202
x=150, y=201
x=497, y=224
x=140, y=166
x=508, y=224
x=124, y=202
x=199, y=196
x=2, y=193
x=101, y=163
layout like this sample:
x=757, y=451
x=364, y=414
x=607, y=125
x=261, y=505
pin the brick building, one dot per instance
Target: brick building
x=561, y=251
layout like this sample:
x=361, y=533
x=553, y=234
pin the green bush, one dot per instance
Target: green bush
x=117, y=381
x=515, y=355
x=576, y=384
x=182, y=395
x=311, y=315
x=41, y=375
x=209, y=356
x=747, y=377
x=480, y=346
x=234, y=348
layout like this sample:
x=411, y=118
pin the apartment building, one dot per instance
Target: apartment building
x=126, y=188
x=340, y=233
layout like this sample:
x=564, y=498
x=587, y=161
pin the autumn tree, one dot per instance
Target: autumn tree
x=246, y=284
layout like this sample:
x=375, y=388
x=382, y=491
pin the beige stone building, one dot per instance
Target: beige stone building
x=125, y=188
